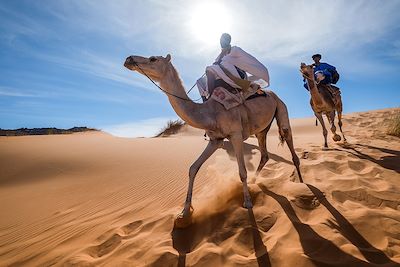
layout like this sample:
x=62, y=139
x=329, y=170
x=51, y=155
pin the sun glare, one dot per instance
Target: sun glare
x=208, y=21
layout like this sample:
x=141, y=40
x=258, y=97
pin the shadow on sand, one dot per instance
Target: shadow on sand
x=186, y=240
x=371, y=253
x=259, y=248
x=391, y=162
x=324, y=252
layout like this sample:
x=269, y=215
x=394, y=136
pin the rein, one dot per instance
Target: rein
x=307, y=78
x=168, y=93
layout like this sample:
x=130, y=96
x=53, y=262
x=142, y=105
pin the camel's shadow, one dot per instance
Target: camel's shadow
x=321, y=251
x=391, y=162
x=187, y=239
x=216, y=228
x=324, y=252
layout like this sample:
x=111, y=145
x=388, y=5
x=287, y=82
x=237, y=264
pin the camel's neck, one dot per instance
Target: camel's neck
x=315, y=95
x=196, y=115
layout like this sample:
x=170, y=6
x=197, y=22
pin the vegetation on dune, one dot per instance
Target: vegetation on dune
x=394, y=126
x=172, y=127
x=43, y=131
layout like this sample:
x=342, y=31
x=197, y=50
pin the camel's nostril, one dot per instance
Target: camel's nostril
x=128, y=61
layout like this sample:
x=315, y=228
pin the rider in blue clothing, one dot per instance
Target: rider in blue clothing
x=324, y=74
x=325, y=69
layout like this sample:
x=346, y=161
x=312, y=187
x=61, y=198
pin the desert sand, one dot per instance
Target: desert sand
x=91, y=199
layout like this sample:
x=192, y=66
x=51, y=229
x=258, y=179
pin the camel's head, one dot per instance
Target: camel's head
x=155, y=67
x=307, y=71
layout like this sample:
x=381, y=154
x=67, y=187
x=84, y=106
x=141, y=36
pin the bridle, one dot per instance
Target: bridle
x=168, y=93
x=307, y=77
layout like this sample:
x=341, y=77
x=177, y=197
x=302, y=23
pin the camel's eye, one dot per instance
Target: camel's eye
x=153, y=59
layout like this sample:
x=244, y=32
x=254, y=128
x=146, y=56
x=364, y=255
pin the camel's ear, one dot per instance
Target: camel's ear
x=168, y=57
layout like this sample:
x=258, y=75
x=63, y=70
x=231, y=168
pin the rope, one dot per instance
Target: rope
x=195, y=84
x=168, y=93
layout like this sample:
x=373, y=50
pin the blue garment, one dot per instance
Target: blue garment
x=327, y=70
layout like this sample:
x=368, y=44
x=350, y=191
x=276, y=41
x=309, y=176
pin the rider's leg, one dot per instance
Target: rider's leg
x=210, y=81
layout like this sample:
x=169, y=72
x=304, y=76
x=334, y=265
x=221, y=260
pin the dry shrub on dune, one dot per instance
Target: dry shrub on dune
x=172, y=127
x=394, y=126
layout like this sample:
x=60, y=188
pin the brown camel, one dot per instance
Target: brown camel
x=322, y=102
x=237, y=124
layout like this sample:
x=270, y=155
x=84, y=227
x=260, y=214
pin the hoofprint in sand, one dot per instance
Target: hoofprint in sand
x=94, y=199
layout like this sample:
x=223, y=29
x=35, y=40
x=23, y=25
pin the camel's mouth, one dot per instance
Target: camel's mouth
x=306, y=75
x=305, y=72
x=304, y=69
x=130, y=63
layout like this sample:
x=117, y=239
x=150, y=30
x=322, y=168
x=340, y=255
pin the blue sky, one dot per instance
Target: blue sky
x=61, y=62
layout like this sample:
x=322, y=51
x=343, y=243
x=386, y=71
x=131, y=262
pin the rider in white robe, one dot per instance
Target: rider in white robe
x=231, y=58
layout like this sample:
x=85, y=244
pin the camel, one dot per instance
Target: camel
x=322, y=102
x=255, y=116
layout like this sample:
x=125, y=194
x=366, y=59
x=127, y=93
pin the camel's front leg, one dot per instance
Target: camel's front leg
x=340, y=124
x=237, y=142
x=183, y=218
x=324, y=130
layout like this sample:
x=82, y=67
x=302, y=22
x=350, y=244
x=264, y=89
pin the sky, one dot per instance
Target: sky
x=61, y=61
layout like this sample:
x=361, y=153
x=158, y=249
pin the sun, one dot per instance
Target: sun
x=208, y=20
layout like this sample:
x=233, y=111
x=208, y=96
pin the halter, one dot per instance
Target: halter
x=168, y=93
x=307, y=78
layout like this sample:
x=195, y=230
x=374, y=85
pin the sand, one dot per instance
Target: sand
x=91, y=199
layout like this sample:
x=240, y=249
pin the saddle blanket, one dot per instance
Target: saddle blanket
x=230, y=100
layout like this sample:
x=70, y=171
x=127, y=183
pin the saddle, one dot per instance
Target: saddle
x=227, y=86
x=333, y=91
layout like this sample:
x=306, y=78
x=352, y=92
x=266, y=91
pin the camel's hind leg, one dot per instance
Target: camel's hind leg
x=237, y=143
x=324, y=130
x=339, y=108
x=340, y=125
x=262, y=144
x=285, y=132
x=331, y=119
x=296, y=161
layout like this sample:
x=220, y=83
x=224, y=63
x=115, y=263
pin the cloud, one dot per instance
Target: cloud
x=99, y=66
x=15, y=92
x=283, y=32
x=60, y=43
x=142, y=128
x=94, y=37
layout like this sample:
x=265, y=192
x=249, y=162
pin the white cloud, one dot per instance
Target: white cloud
x=142, y=128
x=15, y=92
x=279, y=32
x=99, y=66
x=284, y=32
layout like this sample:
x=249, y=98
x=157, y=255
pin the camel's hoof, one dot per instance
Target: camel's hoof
x=336, y=138
x=182, y=221
x=306, y=202
x=325, y=148
x=249, y=206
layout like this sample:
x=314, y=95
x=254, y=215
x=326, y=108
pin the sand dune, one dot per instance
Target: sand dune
x=91, y=199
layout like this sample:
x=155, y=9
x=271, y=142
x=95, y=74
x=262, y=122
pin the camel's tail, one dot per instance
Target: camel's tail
x=282, y=119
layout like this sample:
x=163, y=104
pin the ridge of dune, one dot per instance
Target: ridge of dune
x=97, y=200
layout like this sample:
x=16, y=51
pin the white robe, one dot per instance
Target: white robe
x=241, y=59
